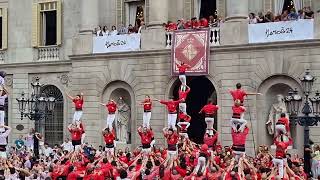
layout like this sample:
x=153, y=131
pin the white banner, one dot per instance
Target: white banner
x=118, y=43
x=281, y=31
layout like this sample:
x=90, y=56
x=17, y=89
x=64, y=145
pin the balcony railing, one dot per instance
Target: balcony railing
x=3, y=56
x=51, y=53
x=214, y=37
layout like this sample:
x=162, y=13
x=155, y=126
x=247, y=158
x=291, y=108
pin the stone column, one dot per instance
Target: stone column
x=237, y=9
x=158, y=13
x=89, y=15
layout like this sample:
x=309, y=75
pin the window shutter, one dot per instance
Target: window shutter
x=59, y=22
x=119, y=11
x=4, y=28
x=35, y=25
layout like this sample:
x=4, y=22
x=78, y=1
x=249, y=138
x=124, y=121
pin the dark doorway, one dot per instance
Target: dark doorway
x=208, y=8
x=201, y=90
x=288, y=5
x=51, y=28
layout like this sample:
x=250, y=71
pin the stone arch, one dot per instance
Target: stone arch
x=270, y=87
x=114, y=90
x=195, y=84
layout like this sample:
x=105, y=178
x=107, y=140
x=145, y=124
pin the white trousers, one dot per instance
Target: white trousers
x=77, y=116
x=109, y=151
x=3, y=155
x=280, y=164
x=238, y=154
x=183, y=79
x=210, y=122
x=110, y=119
x=201, y=163
x=183, y=107
x=172, y=154
x=172, y=118
x=146, y=119
x=315, y=168
x=146, y=151
x=235, y=122
x=82, y=137
x=280, y=128
x=2, y=114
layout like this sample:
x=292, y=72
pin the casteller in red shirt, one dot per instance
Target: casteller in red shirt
x=238, y=111
x=209, y=109
x=182, y=68
x=238, y=94
x=210, y=140
x=183, y=94
x=146, y=137
x=78, y=103
x=76, y=133
x=147, y=105
x=239, y=138
x=183, y=117
x=109, y=137
x=171, y=105
x=172, y=139
x=111, y=107
x=284, y=121
x=281, y=149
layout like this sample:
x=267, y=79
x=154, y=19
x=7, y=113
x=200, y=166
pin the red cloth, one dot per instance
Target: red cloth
x=183, y=94
x=171, y=105
x=78, y=103
x=73, y=176
x=183, y=128
x=181, y=171
x=183, y=116
x=182, y=68
x=239, y=138
x=238, y=94
x=76, y=134
x=146, y=138
x=109, y=137
x=281, y=149
x=147, y=105
x=211, y=141
x=172, y=139
x=284, y=121
x=209, y=109
x=111, y=107
x=229, y=177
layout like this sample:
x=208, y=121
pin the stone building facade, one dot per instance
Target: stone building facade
x=269, y=68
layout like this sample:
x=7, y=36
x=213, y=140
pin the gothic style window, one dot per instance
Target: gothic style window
x=52, y=127
x=3, y=28
x=46, y=23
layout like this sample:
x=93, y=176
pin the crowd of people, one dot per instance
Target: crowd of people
x=287, y=15
x=104, y=30
x=32, y=158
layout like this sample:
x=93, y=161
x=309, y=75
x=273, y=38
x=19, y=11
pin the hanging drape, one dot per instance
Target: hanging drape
x=278, y=6
x=297, y=5
x=132, y=13
x=199, y=8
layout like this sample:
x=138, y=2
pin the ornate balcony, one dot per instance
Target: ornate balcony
x=214, y=37
x=49, y=53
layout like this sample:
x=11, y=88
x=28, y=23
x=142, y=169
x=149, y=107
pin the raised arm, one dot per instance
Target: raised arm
x=102, y=104
x=70, y=97
x=5, y=90
x=81, y=95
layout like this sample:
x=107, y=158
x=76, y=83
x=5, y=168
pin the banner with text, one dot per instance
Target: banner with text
x=281, y=31
x=118, y=43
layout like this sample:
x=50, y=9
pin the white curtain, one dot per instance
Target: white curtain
x=132, y=13
x=278, y=6
x=199, y=7
x=297, y=5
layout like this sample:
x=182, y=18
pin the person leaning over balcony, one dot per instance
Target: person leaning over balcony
x=293, y=15
x=180, y=24
x=131, y=29
x=204, y=23
x=301, y=14
x=260, y=18
x=195, y=24
x=122, y=29
x=105, y=31
x=269, y=17
x=98, y=31
x=285, y=16
x=309, y=14
x=252, y=18
x=113, y=31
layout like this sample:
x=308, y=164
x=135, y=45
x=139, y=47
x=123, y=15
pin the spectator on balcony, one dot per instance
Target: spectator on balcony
x=285, y=16
x=113, y=31
x=180, y=24
x=213, y=21
x=204, y=23
x=308, y=13
x=187, y=25
x=269, y=17
x=131, y=29
x=195, y=24
x=142, y=26
x=277, y=18
x=98, y=31
x=105, y=31
x=301, y=14
x=170, y=26
x=252, y=18
x=260, y=18
x=122, y=29
x=293, y=15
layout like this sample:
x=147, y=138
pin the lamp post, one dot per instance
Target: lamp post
x=37, y=106
x=308, y=116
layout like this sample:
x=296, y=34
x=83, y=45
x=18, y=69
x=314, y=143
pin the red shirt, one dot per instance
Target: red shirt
x=187, y=25
x=146, y=138
x=195, y=24
x=182, y=68
x=284, y=121
x=209, y=109
x=237, y=111
x=184, y=117
x=172, y=139
x=239, y=138
x=76, y=134
x=210, y=141
x=171, y=105
x=281, y=149
x=183, y=94
x=111, y=107
x=147, y=105
x=181, y=171
x=109, y=138
x=238, y=94
x=172, y=26
x=78, y=103
x=73, y=176
x=204, y=22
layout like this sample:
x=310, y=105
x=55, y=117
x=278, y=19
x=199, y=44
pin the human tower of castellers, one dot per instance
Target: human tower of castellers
x=181, y=159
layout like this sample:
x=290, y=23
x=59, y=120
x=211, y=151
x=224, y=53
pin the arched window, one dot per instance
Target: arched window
x=52, y=126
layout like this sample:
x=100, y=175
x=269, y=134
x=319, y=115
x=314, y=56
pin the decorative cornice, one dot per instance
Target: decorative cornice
x=35, y=64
